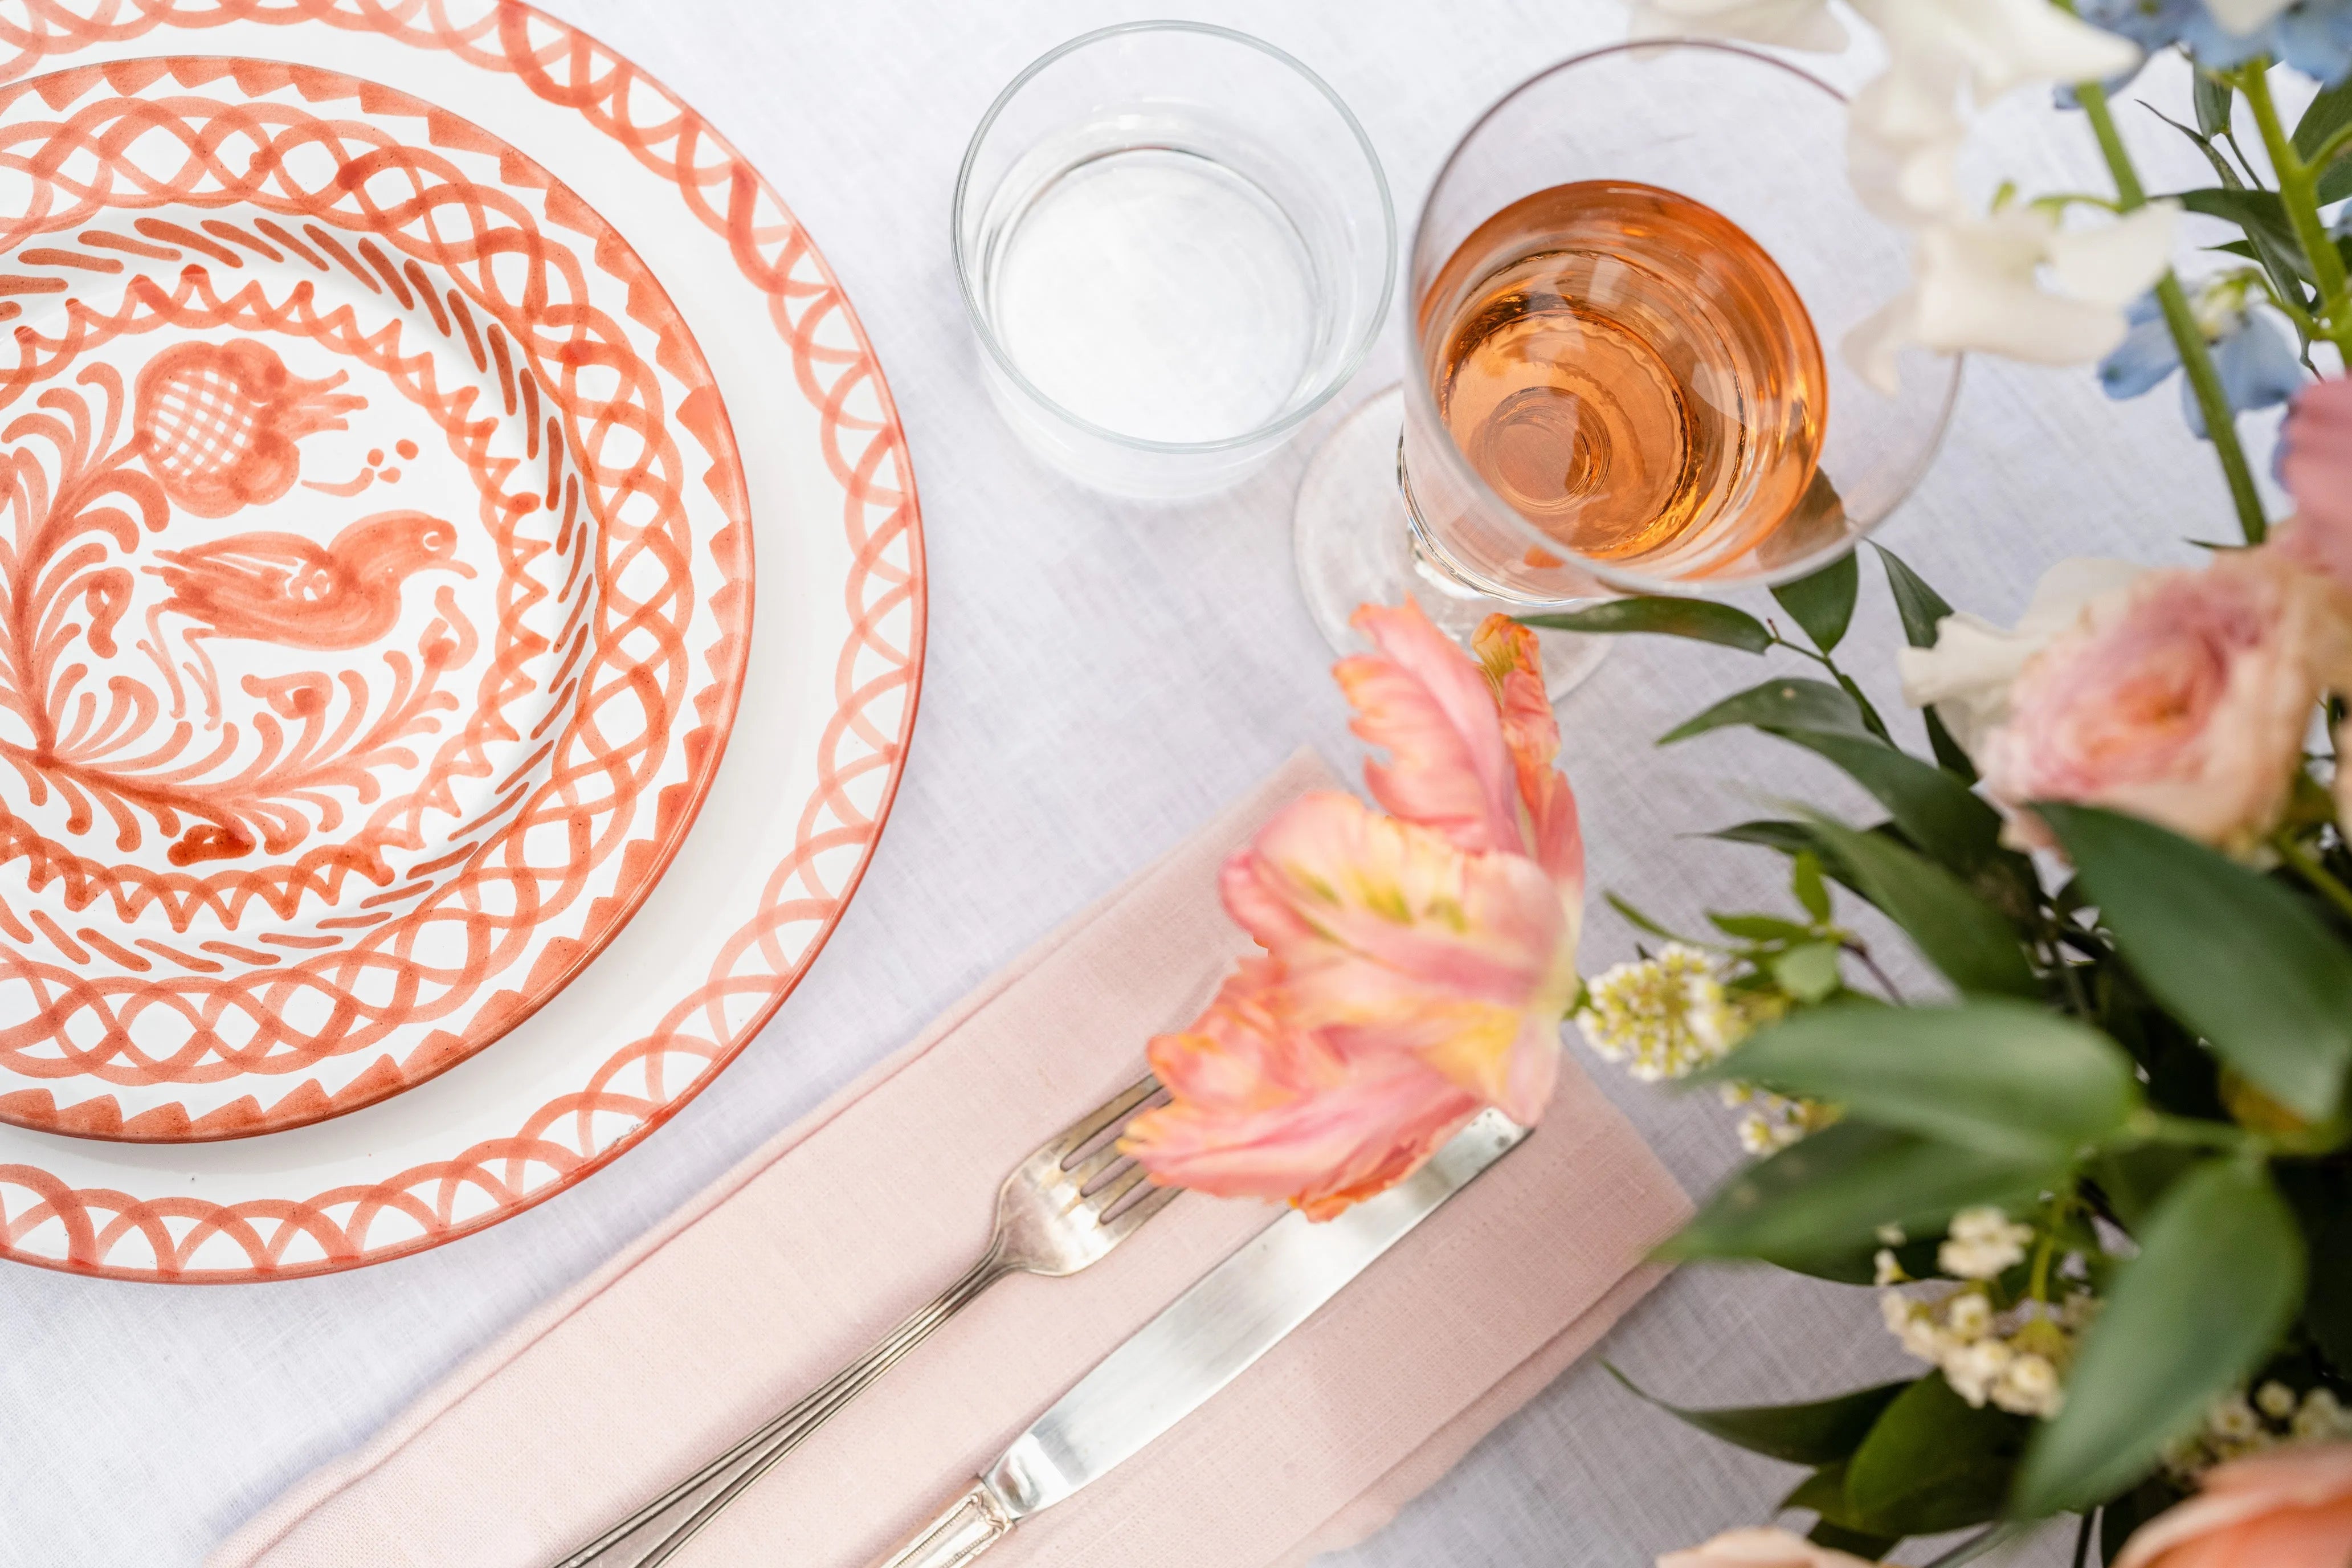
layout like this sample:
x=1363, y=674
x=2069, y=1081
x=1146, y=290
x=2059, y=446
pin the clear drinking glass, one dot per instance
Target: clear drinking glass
x=1175, y=243
x=1631, y=287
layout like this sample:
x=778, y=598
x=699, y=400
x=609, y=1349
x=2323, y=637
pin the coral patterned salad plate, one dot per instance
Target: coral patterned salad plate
x=406, y=802
x=373, y=594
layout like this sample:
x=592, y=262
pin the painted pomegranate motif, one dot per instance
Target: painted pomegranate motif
x=218, y=423
x=286, y=588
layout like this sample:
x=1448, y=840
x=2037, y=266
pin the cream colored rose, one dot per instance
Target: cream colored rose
x=1760, y=1549
x=2185, y=696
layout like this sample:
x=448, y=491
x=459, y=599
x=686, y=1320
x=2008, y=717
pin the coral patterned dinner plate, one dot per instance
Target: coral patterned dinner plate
x=374, y=591
x=374, y=581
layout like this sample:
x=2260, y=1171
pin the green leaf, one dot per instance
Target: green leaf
x=1641, y=921
x=2219, y=1275
x=2217, y=105
x=1934, y=1463
x=1957, y=933
x=1951, y=755
x=1702, y=620
x=2329, y=113
x=1810, y=972
x=1921, y=608
x=1936, y=811
x=2259, y=213
x=1813, y=1434
x=1805, y=882
x=2135, y=1180
x=1824, y=1491
x=1852, y=1542
x=2004, y=1077
x=1822, y=1200
x=1761, y=928
x=1822, y=602
x=2238, y=957
x=1789, y=704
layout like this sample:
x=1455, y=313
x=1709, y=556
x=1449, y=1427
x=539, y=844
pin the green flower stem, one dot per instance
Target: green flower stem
x=2323, y=881
x=2149, y=1126
x=2196, y=358
x=2299, y=193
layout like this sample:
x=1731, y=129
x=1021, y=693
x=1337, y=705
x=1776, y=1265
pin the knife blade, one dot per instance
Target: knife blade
x=1200, y=1342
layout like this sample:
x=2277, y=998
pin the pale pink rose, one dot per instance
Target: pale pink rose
x=2318, y=468
x=1760, y=1548
x=2183, y=698
x=1417, y=965
x=2290, y=1507
x=1265, y=1109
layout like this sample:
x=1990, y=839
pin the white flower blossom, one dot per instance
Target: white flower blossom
x=2321, y=1418
x=2028, y=1386
x=1975, y=286
x=1983, y=1243
x=1888, y=1268
x=2015, y=1360
x=1969, y=1315
x=1973, y=1370
x=2233, y=1420
x=1667, y=1016
x=2243, y=16
x=2275, y=1400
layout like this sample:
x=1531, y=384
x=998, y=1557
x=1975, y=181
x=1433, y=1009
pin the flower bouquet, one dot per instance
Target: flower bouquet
x=2101, y=1169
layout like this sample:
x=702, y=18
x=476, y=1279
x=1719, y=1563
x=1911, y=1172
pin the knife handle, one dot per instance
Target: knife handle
x=972, y=1524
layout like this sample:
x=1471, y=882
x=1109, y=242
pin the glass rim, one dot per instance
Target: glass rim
x=1426, y=400
x=1366, y=336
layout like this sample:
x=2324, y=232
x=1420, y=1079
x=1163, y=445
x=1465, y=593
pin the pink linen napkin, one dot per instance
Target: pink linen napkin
x=801, y=1258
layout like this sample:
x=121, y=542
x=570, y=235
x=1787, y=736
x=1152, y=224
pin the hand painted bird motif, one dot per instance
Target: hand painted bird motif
x=286, y=588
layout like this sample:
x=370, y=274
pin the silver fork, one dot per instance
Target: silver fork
x=1059, y=1210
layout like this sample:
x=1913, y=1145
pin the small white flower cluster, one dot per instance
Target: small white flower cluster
x=1667, y=1016
x=1983, y=1243
x=2015, y=1360
x=1773, y=1122
x=2274, y=1417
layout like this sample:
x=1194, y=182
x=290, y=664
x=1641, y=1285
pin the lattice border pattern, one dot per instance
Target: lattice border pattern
x=633, y=726
x=876, y=679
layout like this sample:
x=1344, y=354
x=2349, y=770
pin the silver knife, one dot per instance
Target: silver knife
x=1200, y=1342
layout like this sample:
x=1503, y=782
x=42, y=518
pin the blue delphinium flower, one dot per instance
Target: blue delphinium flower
x=2315, y=36
x=2255, y=360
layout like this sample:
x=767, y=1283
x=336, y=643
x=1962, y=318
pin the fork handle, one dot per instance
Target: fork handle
x=648, y=1537
x=972, y=1524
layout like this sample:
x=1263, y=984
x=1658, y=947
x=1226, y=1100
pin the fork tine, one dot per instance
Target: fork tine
x=1105, y=1197
x=1075, y=1136
x=1095, y=1166
x=1136, y=1213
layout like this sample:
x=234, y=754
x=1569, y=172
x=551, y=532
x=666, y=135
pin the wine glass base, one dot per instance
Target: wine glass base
x=1354, y=546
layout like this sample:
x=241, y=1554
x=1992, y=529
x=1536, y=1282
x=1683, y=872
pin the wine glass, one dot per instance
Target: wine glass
x=1629, y=289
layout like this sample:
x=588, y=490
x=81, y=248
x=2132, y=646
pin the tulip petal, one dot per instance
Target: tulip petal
x=1398, y=942
x=1429, y=709
x=1513, y=658
x=1263, y=1108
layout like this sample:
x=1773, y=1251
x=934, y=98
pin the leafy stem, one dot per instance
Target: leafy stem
x=2151, y=1126
x=2196, y=357
x=2299, y=193
x=2322, y=880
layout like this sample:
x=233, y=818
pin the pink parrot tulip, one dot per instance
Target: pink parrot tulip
x=1417, y=965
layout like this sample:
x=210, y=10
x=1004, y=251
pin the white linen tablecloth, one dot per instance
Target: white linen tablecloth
x=1103, y=677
